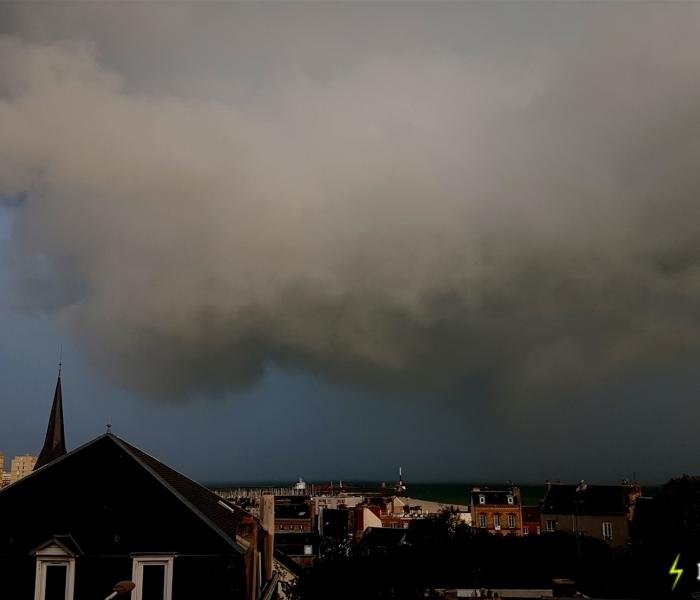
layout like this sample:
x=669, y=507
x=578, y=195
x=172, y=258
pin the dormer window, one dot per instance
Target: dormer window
x=55, y=569
x=482, y=499
x=510, y=499
x=153, y=576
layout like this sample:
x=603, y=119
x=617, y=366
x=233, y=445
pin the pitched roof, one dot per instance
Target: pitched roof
x=564, y=499
x=222, y=516
x=55, y=442
x=495, y=496
x=66, y=542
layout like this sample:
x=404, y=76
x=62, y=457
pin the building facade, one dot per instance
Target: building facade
x=531, y=520
x=497, y=511
x=21, y=466
x=600, y=511
x=294, y=514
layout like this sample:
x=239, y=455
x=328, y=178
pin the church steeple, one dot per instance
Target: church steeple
x=55, y=442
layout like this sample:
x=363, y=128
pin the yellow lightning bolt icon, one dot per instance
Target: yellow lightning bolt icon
x=674, y=570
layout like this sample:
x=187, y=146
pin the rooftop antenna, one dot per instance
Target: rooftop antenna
x=109, y=425
x=60, y=359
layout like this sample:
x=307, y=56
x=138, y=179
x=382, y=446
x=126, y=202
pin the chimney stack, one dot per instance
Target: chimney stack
x=267, y=520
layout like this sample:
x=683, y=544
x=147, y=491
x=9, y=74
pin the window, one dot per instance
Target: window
x=482, y=499
x=511, y=521
x=482, y=520
x=55, y=573
x=497, y=521
x=551, y=525
x=526, y=530
x=607, y=530
x=308, y=550
x=153, y=576
x=510, y=499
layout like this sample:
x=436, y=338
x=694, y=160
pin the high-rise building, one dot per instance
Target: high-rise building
x=21, y=466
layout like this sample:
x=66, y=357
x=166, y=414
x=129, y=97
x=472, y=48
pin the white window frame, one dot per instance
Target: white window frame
x=482, y=499
x=53, y=555
x=511, y=500
x=497, y=521
x=607, y=525
x=511, y=520
x=526, y=530
x=483, y=521
x=550, y=525
x=140, y=561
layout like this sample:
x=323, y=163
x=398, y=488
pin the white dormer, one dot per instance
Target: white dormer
x=55, y=566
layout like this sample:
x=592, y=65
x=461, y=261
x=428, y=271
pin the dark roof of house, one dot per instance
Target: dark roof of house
x=494, y=496
x=564, y=499
x=221, y=516
x=384, y=537
x=215, y=510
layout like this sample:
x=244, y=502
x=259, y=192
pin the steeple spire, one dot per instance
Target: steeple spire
x=55, y=442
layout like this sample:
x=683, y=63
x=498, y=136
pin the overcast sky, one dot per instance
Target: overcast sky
x=323, y=239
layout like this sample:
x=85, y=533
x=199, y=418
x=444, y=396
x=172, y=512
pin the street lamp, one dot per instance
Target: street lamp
x=121, y=589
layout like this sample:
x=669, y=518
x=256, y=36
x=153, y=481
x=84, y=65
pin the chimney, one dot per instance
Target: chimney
x=267, y=520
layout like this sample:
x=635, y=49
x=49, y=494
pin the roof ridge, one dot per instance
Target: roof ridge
x=133, y=452
x=55, y=461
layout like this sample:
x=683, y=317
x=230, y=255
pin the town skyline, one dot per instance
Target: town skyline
x=313, y=239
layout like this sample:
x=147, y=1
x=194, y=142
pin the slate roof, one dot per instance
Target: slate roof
x=564, y=499
x=218, y=513
x=221, y=516
x=495, y=497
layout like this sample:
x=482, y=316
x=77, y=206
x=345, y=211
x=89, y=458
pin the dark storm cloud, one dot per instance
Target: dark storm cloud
x=518, y=210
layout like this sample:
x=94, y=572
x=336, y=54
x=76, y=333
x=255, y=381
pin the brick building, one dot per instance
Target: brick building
x=531, y=520
x=294, y=514
x=497, y=511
